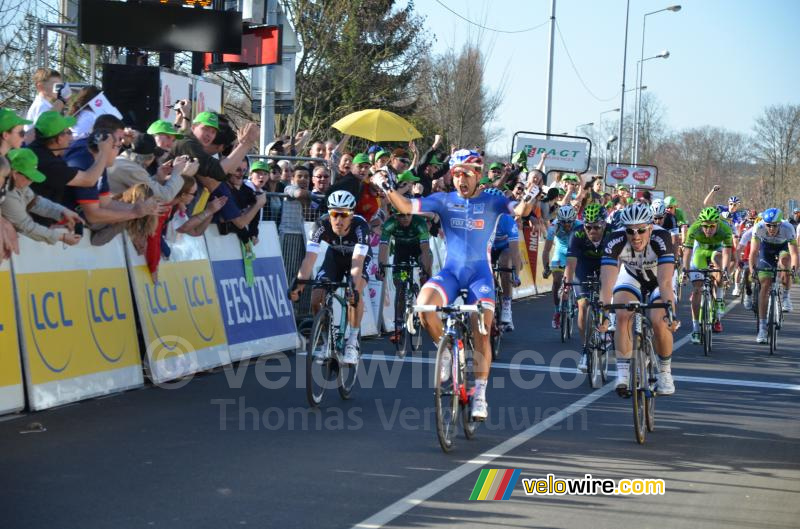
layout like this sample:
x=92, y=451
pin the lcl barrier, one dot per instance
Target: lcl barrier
x=12, y=397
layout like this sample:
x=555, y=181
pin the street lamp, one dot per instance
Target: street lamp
x=599, y=126
x=638, y=109
x=674, y=9
x=610, y=140
x=583, y=125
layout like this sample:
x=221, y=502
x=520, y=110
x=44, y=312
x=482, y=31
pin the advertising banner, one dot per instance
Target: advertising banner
x=178, y=309
x=12, y=395
x=207, y=96
x=258, y=319
x=638, y=176
x=564, y=153
x=174, y=87
x=76, y=321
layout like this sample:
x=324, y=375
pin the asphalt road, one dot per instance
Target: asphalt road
x=239, y=447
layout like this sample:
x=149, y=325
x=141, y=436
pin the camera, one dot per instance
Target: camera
x=79, y=229
x=57, y=88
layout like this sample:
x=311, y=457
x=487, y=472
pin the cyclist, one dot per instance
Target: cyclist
x=672, y=207
x=583, y=260
x=773, y=243
x=347, y=236
x=708, y=239
x=505, y=254
x=646, y=254
x=743, y=256
x=411, y=236
x=560, y=231
x=469, y=218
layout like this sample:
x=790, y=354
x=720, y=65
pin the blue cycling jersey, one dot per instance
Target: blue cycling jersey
x=560, y=235
x=735, y=218
x=507, y=232
x=469, y=226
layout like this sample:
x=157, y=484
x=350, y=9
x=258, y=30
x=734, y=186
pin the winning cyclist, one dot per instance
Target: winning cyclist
x=583, y=260
x=505, y=254
x=743, y=257
x=560, y=231
x=705, y=239
x=411, y=236
x=469, y=218
x=347, y=236
x=773, y=243
x=646, y=255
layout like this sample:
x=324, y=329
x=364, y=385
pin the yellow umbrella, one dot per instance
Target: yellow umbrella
x=377, y=125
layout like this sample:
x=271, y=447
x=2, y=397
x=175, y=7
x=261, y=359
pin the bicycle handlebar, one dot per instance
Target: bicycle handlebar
x=449, y=309
x=636, y=306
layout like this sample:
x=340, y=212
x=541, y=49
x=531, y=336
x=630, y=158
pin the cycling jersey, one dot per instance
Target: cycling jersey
x=670, y=223
x=771, y=247
x=469, y=225
x=703, y=246
x=561, y=236
x=680, y=216
x=735, y=218
x=507, y=232
x=410, y=235
x=589, y=255
x=639, y=272
x=355, y=242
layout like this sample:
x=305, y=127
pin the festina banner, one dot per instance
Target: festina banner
x=639, y=176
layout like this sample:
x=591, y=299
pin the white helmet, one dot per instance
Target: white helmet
x=341, y=200
x=658, y=207
x=636, y=213
x=567, y=213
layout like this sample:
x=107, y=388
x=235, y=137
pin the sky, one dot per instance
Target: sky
x=729, y=59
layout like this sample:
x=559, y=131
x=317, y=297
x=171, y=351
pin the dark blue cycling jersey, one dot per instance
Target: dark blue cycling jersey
x=588, y=255
x=507, y=232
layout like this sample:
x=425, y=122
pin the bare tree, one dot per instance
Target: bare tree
x=777, y=151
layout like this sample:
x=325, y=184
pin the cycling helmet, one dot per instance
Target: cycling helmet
x=466, y=158
x=594, y=213
x=772, y=215
x=709, y=214
x=734, y=200
x=341, y=200
x=636, y=213
x=670, y=202
x=493, y=191
x=659, y=207
x=567, y=214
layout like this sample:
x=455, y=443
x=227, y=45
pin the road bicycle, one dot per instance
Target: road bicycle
x=708, y=309
x=774, y=309
x=644, y=365
x=568, y=309
x=408, y=338
x=595, y=343
x=498, y=328
x=453, y=397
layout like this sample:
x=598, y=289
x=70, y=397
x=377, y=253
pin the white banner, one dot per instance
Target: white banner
x=207, y=96
x=562, y=154
x=639, y=176
x=174, y=87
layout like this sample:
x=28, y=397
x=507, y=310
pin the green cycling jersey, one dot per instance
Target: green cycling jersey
x=410, y=235
x=703, y=246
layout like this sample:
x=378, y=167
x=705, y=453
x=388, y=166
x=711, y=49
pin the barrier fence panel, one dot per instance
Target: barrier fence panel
x=179, y=310
x=526, y=287
x=76, y=320
x=12, y=393
x=258, y=318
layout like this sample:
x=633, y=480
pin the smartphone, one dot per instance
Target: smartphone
x=79, y=229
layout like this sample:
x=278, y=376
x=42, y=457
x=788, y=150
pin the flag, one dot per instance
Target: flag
x=101, y=105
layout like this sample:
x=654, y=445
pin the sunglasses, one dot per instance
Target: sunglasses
x=404, y=160
x=340, y=214
x=771, y=224
x=631, y=231
x=709, y=226
x=658, y=218
x=593, y=227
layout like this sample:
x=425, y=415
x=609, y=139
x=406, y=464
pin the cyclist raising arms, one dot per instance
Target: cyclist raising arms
x=773, y=243
x=469, y=218
x=560, y=231
x=705, y=239
x=646, y=254
x=505, y=254
x=583, y=260
x=348, y=251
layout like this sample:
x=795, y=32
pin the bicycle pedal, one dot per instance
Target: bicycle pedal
x=625, y=393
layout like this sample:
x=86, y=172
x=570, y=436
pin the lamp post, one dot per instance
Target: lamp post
x=579, y=127
x=674, y=9
x=610, y=140
x=599, y=125
x=622, y=94
x=637, y=110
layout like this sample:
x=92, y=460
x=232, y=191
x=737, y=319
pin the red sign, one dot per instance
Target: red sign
x=619, y=174
x=641, y=175
x=260, y=47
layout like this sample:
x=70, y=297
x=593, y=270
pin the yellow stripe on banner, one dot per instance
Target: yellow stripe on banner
x=487, y=485
x=10, y=368
x=496, y=484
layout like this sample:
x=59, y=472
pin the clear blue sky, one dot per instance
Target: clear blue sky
x=729, y=58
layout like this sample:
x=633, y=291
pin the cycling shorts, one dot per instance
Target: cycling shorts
x=478, y=282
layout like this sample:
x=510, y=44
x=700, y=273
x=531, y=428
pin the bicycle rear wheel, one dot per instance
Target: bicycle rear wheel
x=320, y=362
x=564, y=311
x=571, y=315
x=416, y=338
x=650, y=394
x=445, y=399
x=346, y=376
x=638, y=374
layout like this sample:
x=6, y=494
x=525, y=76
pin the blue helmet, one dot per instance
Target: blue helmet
x=772, y=215
x=734, y=200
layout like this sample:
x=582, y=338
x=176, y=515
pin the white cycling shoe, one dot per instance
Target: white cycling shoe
x=350, y=354
x=664, y=384
x=786, y=305
x=480, y=409
x=762, y=336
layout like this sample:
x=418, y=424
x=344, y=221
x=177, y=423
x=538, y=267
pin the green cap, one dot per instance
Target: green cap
x=25, y=161
x=209, y=119
x=561, y=191
x=381, y=154
x=622, y=187
x=163, y=126
x=9, y=119
x=51, y=123
x=360, y=158
x=496, y=165
x=570, y=177
x=407, y=176
x=260, y=165
x=520, y=158
x=485, y=181
x=435, y=161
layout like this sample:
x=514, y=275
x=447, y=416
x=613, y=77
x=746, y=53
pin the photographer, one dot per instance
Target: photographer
x=48, y=95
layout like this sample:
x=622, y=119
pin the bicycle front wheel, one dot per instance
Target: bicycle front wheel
x=705, y=319
x=445, y=397
x=467, y=381
x=320, y=362
x=346, y=376
x=773, y=308
x=564, y=311
x=637, y=383
x=650, y=394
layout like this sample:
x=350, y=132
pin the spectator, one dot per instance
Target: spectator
x=11, y=130
x=320, y=183
x=345, y=164
x=85, y=115
x=285, y=171
x=129, y=169
x=381, y=159
x=53, y=137
x=321, y=179
x=317, y=150
x=248, y=203
x=259, y=175
x=9, y=241
x=21, y=199
x=399, y=161
x=165, y=135
x=271, y=175
x=298, y=195
x=44, y=80
x=105, y=217
x=406, y=184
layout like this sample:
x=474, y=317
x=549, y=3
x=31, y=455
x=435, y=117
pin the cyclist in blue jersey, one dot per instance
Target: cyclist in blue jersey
x=469, y=218
x=558, y=234
x=505, y=254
